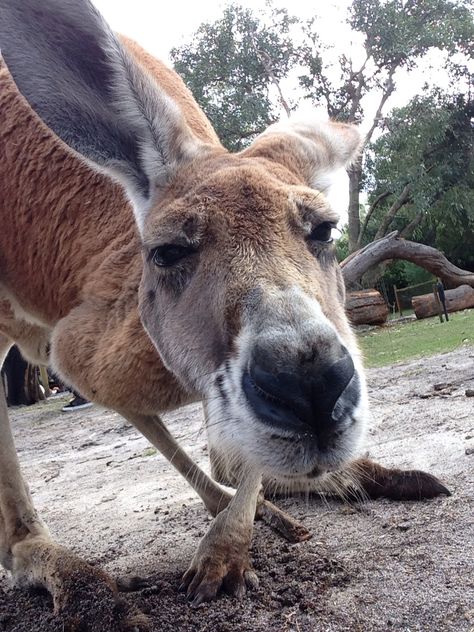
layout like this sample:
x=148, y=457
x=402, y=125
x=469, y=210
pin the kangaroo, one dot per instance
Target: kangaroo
x=151, y=268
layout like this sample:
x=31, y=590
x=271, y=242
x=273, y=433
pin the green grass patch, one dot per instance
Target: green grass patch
x=149, y=452
x=418, y=338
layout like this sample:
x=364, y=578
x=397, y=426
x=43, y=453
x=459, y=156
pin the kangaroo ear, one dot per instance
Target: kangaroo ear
x=312, y=150
x=82, y=82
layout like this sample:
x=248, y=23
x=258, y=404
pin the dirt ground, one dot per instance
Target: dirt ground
x=377, y=566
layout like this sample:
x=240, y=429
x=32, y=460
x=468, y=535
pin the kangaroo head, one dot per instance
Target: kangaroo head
x=241, y=292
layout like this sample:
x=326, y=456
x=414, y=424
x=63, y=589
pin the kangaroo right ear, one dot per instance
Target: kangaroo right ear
x=312, y=149
x=89, y=90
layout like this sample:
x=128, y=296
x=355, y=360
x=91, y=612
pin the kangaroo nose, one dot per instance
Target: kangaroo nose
x=294, y=399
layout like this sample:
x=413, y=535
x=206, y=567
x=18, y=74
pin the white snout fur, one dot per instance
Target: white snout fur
x=290, y=319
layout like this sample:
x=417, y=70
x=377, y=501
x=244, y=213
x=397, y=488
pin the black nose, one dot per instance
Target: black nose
x=300, y=399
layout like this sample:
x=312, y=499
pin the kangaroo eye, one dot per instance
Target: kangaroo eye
x=323, y=233
x=169, y=254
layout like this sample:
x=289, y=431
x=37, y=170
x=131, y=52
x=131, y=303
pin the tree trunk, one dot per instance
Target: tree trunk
x=426, y=305
x=401, y=200
x=392, y=247
x=354, y=208
x=366, y=307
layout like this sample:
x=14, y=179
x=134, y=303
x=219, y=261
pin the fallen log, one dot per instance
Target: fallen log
x=427, y=305
x=393, y=247
x=366, y=307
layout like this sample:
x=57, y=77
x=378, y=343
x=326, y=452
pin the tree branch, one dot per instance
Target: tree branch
x=265, y=58
x=372, y=208
x=409, y=228
x=392, y=247
x=389, y=88
x=401, y=200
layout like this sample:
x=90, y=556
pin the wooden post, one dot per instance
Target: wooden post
x=442, y=297
x=399, y=307
x=438, y=303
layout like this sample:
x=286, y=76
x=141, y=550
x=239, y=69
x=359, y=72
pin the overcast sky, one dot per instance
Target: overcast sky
x=159, y=26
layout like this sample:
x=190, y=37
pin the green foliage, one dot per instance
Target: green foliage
x=342, y=245
x=230, y=67
x=402, y=274
x=398, y=32
x=396, y=35
x=413, y=274
x=396, y=274
x=428, y=145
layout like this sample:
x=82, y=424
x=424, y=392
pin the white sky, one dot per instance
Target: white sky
x=159, y=26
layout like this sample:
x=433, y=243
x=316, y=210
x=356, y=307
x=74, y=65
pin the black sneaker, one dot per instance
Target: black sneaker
x=78, y=403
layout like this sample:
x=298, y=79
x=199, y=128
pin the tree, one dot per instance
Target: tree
x=392, y=247
x=420, y=176
x=231, y=67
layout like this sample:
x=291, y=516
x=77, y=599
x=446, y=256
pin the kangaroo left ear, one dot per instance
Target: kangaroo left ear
x=92, y=92
x=312, y=150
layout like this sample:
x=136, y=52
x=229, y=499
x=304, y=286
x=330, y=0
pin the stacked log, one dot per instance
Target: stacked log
x=366, y=307
x=459, y=298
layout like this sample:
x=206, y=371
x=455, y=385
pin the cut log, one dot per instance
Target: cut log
x=426, y=305
x=366, y=307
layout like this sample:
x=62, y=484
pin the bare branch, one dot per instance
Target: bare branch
x=370, y=212
x=389, y=88
x=392, y=247
x=265, y=59
x=401, y=200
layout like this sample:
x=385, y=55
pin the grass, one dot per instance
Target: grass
x=149, y=452
x=415, y=339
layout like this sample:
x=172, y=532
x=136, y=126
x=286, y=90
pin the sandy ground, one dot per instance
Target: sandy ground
x=377, y=566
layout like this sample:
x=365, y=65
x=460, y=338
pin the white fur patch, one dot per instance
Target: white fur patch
x=329, y=146
x=232, y=426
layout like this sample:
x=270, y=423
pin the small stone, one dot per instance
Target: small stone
x=403, y=527
x=441, y=386
x=469, y=392
x=469, y=615
x=469, y=450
